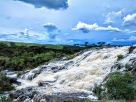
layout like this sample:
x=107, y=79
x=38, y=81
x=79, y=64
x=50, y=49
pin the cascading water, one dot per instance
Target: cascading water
x=73, y=78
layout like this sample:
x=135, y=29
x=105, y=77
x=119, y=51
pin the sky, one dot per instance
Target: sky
x=68, y=21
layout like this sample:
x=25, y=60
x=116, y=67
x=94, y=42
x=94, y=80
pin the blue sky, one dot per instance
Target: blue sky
x=68, y=21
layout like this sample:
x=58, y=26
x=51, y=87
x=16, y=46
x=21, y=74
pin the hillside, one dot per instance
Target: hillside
x=23, y=56
x=66, y=73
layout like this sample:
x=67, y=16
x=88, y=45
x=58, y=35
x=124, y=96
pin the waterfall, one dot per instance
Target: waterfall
x=76, y=77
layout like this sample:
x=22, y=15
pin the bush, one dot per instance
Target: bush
x=98, y=91
x=121, y=86
x=5, y=84
x=81, y=100
x=117, y=86
x=119, y=57
x=6, y=99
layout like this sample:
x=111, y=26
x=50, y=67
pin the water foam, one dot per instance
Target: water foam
x=80, y=75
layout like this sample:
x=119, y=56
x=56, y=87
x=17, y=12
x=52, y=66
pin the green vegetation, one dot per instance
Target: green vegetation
x=5, y=99
x=78, y=101
x=22, y=56
x=98, y=90
x=120, y=57
x=118, y=86
x=5, y=84
x=97, y=101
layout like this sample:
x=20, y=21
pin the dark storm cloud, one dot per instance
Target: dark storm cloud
x=51, y=4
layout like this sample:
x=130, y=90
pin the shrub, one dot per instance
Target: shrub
x=98, y=91
x=81, y=100
x=5, y=84
x=120, y=86
x=119, y=57
x=5, y=99
x=117, y=86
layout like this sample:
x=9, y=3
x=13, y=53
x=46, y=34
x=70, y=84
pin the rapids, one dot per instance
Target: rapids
x=73, y=78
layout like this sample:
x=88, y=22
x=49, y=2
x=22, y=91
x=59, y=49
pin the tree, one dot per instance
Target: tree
x=101, y=43
x=86, y=43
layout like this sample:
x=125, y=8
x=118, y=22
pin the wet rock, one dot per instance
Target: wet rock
x=117, y=66
x=131, y=65
x=46, y=83
x=15, y=81
x=23, y=94
x=131, y=49
x=43, y=100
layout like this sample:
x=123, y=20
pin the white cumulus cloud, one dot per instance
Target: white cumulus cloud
x=130, y=19
x=84, y=27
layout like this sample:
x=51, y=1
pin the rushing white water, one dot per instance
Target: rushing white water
x=80, y=74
